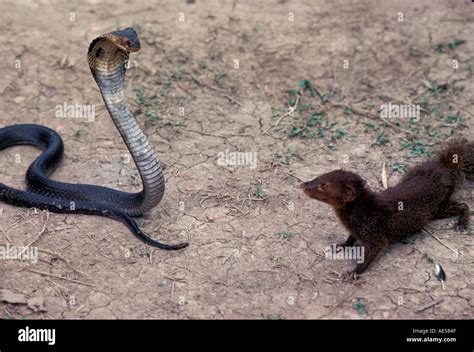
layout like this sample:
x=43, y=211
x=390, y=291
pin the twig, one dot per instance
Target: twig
x=6, y=236
x=429, y=305
x=41, y=232
x=294, y=177
x=360, y=112
x=172, y=291
x=59, y=285
x=55, y=254
x=223, y=93
x=370, y=115
x=444, y=244
x=61, y=277
x=233, y=253
x=345, y=297
x=291, y=110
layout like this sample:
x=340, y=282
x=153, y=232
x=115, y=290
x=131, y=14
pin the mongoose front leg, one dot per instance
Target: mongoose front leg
x=456, y=209
x=370, y=252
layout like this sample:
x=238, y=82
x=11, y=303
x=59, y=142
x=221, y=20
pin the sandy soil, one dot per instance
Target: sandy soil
x=256, y=241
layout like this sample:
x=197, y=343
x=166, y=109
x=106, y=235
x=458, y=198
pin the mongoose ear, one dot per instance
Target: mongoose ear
x=348, y=193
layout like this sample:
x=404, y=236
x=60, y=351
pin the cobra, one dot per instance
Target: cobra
x=107, y=57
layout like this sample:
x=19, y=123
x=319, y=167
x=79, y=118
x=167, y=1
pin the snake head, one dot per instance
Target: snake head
x=126, y=39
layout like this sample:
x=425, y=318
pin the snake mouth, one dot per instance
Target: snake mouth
x=126, y=40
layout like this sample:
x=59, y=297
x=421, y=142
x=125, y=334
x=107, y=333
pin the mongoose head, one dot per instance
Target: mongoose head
x=336, y=188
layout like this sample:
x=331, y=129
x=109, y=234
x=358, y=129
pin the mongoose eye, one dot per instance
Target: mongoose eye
x=323, y=186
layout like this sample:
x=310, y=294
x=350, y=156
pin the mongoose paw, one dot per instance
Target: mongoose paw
x=462, y=228
x=349, y=276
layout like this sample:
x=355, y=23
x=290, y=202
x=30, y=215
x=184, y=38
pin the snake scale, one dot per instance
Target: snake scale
x=108, y=57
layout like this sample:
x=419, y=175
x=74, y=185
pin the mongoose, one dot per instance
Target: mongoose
x=376, y=219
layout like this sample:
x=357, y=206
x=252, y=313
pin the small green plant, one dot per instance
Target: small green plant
x=381, y=139
x=202, y=64
x=271, y=317
x=284, y=158
x=359, y=306
x=151, y=115
x=298, y=131
x=368, y=126
x=185, y=57
x=139, y=95
x=257, y=192
x=429, y=258
x=424, y=103
x=456, y=118
x=141, y=251
x=216, y=55
x=325, y=98
x=417, y=148
x=181, y=73
x=369, y=105
x=346, y=110
x=338, y=134
x=219, y=78
x=257, y=28
x=307, y=85
x=234, y=89
x=400, y=167
x=286, y=235
x=151, y=105
x=437, y=88
x=332, y=146
x=452, y=45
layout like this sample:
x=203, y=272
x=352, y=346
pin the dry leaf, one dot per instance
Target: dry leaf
x=384, y=176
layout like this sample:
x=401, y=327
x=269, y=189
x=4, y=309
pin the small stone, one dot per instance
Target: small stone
x=99, y=299
x=179, y=276
x=359, y=151
x=18, y=100
x=48, y=91
x=211, y=217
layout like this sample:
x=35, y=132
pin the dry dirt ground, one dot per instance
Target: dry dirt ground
x=256, y=242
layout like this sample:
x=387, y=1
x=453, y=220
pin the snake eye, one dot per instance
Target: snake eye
x=128, y=43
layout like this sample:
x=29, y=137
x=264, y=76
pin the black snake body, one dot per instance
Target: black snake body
x=108, y=56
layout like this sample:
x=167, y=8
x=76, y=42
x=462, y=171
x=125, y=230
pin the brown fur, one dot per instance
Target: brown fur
x=377, y=219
